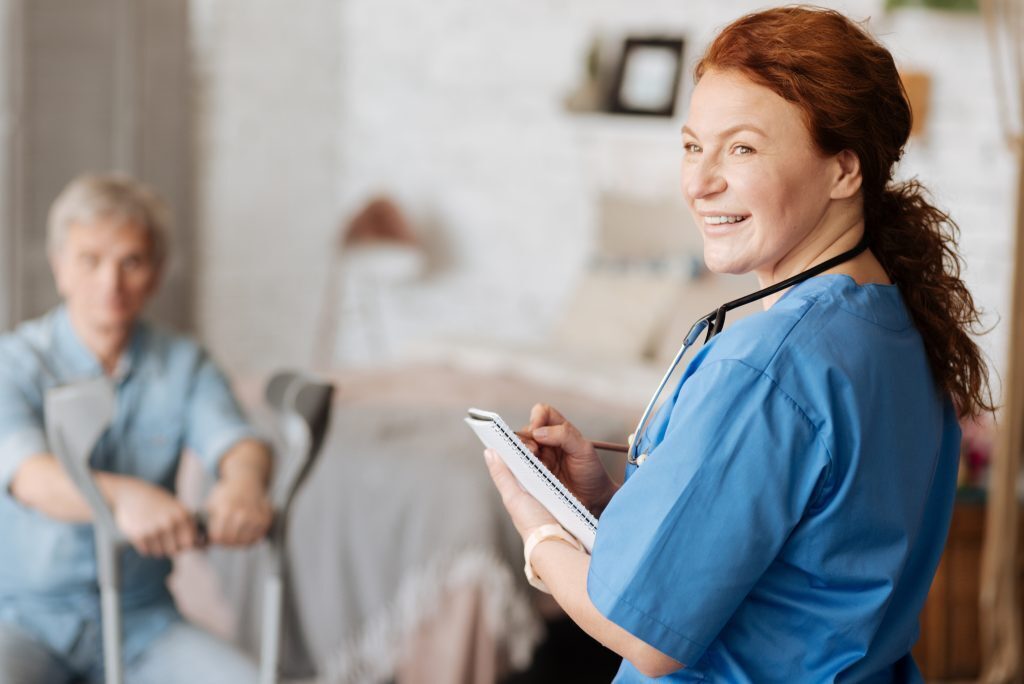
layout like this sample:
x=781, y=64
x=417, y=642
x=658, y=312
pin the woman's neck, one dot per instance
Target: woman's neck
x=863, y=268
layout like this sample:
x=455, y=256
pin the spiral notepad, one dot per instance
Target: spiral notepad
x=534, y=476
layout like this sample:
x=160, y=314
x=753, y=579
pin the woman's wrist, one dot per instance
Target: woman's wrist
x=538, y=535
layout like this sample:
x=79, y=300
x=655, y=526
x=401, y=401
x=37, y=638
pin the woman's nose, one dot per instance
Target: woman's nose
x=702, y=178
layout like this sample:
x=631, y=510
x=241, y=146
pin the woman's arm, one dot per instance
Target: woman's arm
x=564, y=571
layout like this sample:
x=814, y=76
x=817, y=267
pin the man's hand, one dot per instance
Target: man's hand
x=152, y=519
x=238, y=510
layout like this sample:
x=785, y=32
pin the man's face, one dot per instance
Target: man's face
x=106, y=271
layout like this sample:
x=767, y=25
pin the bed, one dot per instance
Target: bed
x=404, y=565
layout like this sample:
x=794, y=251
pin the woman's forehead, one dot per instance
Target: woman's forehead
x=726, y=102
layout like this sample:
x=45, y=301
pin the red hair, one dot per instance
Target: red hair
x=847, y=86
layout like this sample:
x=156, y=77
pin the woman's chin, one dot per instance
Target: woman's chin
x=724, y=266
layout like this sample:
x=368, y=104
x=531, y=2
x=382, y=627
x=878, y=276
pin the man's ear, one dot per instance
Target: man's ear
x=848, y=178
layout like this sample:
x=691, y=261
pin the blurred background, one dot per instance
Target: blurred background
x=444, y=204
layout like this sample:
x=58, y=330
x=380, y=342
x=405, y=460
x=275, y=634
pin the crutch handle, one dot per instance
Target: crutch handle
x=201, y=519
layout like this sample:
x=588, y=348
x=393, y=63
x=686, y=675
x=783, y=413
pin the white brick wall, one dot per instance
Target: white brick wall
x=454, y=107
x=268, y=112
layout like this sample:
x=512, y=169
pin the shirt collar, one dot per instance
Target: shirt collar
x=80, y=360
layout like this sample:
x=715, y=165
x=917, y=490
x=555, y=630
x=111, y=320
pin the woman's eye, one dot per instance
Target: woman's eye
x=692, y=148
x=743, y=149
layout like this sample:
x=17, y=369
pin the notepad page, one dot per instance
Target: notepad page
x=535, y=478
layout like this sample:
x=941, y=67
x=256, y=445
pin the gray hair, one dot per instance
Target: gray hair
x=109, y=196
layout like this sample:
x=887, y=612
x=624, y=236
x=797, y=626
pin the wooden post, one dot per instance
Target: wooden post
x=1000, y=605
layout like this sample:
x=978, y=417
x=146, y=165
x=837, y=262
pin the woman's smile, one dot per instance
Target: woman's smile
x=747, y=153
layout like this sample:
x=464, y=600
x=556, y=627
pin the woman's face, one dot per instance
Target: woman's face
x=758, y=188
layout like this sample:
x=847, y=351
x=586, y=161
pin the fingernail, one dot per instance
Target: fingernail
x=541, y=432
x=489, y=455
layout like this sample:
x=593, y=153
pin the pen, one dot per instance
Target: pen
x=598, y=444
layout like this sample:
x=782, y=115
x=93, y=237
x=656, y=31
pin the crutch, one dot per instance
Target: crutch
x=302, y=406
x=76, y=417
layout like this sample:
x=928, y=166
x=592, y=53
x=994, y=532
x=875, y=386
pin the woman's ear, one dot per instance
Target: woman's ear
x=848, y=178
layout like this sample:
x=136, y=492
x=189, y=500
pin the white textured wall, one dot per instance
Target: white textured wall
x=454, y=107
x=269, y=120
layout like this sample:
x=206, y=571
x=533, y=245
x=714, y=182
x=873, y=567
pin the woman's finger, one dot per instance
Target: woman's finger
x=504, y=480
x=565, y=436
x=543, y=414
x=526, y=512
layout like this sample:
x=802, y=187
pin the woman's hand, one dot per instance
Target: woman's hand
x=526, y=512
x=564, y=570
x=570, y=457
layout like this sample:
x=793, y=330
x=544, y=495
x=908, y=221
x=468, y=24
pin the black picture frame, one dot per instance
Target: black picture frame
x=647, y=77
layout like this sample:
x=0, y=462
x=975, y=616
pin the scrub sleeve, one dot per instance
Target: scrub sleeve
x=689, y=534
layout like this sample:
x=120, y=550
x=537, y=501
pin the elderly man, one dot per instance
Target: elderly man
x=107, y=247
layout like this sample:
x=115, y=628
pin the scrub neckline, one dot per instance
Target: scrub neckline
x=822, y=281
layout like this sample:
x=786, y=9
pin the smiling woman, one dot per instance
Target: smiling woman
x=765, y=198
x=789, y=503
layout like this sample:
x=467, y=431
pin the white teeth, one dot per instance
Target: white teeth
x=717, y=220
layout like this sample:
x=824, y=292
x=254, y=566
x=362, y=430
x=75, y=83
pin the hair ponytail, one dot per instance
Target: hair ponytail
x=916, y=244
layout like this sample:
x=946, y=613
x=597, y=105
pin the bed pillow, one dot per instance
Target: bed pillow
x=700, y=297
x=617, y=312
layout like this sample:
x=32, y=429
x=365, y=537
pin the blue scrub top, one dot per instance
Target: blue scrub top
x=791, y=513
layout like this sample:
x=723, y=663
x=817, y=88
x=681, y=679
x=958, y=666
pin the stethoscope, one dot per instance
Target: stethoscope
x=714, y=322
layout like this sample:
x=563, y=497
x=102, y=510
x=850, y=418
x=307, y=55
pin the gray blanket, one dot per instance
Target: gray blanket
x=399, y=515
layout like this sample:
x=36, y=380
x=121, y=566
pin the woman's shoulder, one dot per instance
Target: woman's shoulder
x=829, y=342
x=827, y=316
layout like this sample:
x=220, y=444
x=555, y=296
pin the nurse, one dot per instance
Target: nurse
x=793, y=495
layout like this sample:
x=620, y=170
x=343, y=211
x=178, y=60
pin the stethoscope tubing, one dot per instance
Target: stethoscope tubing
x=714, y=322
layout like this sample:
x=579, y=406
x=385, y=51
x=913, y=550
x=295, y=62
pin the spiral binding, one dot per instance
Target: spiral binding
x=555, y=486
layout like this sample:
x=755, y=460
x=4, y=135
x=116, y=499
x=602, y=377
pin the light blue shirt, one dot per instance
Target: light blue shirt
x=795, y=502
x=170, y=395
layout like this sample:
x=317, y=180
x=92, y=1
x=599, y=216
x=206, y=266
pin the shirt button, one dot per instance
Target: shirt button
x=640, y=459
